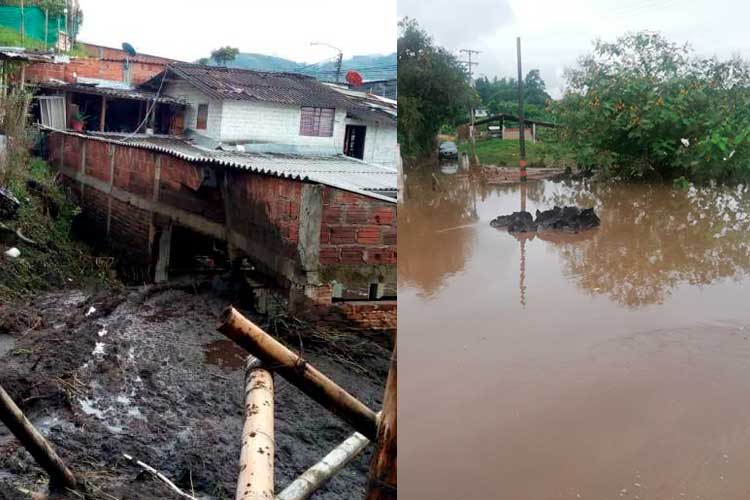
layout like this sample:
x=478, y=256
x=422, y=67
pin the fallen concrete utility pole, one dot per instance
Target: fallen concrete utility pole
x=256, y=478
x=382, y=484
x=298, y=372
x=316, y=476
x=60, y=477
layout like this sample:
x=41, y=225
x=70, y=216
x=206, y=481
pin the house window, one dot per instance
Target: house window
x=202, y=117
x=317, y=122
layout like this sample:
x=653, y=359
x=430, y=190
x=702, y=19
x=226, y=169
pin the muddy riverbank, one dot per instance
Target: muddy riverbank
x=144, y=372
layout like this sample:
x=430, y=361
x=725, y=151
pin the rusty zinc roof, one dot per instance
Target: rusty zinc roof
x=242, y=84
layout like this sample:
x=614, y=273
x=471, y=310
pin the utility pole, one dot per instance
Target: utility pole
x=338, y=67
x=521, y=120
x=470, y=65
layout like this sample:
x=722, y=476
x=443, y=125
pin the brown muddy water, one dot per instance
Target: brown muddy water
x=611, y=364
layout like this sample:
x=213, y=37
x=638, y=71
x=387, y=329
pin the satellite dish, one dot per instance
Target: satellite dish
x=353, y=78
x=129, y=49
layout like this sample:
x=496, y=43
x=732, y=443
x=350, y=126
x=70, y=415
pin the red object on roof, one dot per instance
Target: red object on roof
x=353, y=78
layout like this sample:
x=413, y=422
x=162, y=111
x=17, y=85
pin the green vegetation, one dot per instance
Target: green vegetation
x=224, y=55
x=45, y=217
x=645, y=108
x=433, y=90
x=501, y=96
x=10, y=37
x=505, y=153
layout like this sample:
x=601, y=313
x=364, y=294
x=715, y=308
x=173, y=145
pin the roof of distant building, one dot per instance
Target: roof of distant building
x=366, y=106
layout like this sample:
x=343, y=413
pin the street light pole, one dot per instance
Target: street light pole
x=338, y=61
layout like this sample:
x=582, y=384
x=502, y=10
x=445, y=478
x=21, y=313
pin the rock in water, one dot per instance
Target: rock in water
x=517, y=222
x=571, y=219
x=8, y=204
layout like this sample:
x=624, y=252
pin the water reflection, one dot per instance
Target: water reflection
x=652, y=238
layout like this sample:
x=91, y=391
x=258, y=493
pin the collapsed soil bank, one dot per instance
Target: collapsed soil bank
x=144, y=372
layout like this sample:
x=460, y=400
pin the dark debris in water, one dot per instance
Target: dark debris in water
x=568, y=219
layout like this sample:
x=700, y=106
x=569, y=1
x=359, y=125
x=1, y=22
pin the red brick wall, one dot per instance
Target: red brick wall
x=98, y=160
x=180, y=186
x=358, y=242
x=357, y=315
x=266, y=211
x=93, y=68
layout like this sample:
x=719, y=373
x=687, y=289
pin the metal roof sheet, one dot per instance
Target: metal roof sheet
x=337, y=171
x=118, y=92
x=242, y=84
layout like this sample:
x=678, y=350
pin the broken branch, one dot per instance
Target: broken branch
x=297, y=371
x=159, y=476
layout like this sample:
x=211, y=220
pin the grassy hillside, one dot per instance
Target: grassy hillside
x=372, y=67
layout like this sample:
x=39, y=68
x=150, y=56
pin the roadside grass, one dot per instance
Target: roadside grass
x=53, y=259
x=505, y=153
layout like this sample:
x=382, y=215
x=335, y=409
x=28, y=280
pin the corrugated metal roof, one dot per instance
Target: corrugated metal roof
x=366, y=106
x=337, y=171
x=100, y=88
x=22, y=54
x=241, y=84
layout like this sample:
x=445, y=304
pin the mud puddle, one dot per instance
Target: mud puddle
x=144, y=372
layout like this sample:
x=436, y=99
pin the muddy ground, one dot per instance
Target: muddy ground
x=143, y=371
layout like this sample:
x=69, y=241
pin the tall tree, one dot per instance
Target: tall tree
x=224, y=55
x=433, y=89
x=644, y=107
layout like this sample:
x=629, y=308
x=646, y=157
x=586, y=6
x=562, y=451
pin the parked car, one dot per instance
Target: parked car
x=448, y=149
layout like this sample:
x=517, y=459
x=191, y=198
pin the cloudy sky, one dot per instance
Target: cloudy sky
x=555, y=33
x=189, y=29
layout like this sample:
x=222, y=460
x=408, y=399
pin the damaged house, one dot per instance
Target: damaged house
x=240, y=168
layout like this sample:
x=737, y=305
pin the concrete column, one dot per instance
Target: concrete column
x=310, y=220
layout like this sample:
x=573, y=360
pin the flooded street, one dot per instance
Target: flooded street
x=613, y=363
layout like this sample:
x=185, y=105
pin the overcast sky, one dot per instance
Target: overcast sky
x=555, y=33
x=189, y=29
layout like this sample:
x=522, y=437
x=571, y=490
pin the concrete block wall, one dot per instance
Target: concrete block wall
x=272, y=122
x=380, y=142
x=194, y=98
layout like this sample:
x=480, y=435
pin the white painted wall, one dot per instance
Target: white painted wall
x=194, y=97
x=272, y=122
x=380, y=142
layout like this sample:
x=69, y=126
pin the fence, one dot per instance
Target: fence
x=35, y=23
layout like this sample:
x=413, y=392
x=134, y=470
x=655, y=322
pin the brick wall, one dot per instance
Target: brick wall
x=358, y=242
x=266, y=210
x=93, y=68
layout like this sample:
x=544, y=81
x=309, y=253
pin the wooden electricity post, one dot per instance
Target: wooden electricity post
x=521, y=120
x=470, y=64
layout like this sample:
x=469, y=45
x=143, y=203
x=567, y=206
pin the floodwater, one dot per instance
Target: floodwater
x=605, y=365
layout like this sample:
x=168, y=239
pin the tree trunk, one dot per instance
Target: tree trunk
x=60, y=476
x=382, y=484
x=317, y=475
x=298, y=372
x=256, y=477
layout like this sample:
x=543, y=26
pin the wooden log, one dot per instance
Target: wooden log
x=103, y=115
x=256, y=477
x=316, y=476
x=60, y=476
x=298, y=372
x=382, y=484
